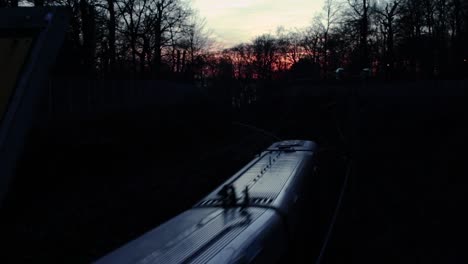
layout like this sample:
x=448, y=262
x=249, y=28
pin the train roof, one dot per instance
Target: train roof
x=199, y=234
x=266, y=176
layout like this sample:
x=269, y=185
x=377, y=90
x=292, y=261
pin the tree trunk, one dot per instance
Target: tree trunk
x=134, y=53
x=364, y=35
x=184, y=54
x=178, y=67
x=142, y=56
x=157, y=48
x=89, y=35
x=111, y=28
x=325, y=55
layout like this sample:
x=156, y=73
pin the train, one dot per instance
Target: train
x=253, y=217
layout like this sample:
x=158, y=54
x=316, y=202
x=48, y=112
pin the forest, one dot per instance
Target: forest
x=167, y=39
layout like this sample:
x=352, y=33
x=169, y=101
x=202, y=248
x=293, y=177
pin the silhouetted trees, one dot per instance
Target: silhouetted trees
x=386, y=14
x=8, y=3
x=430, y=36
x=166, y=39
x=330, y=12
x=130, y=38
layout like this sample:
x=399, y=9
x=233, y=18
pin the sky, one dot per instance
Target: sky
x=236, y=21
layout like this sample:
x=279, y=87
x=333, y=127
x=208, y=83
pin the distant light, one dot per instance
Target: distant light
x=388, y=64
x=464, y=60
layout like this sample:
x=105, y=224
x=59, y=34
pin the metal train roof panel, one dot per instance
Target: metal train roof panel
x=297, y=145
x=213, y=231
x=268, y=174
x=189, y=237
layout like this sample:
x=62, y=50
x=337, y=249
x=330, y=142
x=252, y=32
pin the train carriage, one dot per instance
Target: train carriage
x=251, y=218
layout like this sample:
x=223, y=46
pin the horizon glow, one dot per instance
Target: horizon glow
x=239, y=21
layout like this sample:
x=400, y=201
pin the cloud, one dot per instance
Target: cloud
x=235, y=21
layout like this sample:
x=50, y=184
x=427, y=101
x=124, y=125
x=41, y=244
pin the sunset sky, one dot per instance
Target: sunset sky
x=236, y=21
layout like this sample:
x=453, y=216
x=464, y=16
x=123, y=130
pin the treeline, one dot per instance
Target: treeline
x=129, y=38
x=165, y=39
x=387, y=39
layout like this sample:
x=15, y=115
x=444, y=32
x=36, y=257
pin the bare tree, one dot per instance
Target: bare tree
x=265, y=55
x=312, y=40
x=360, y=17
x=290, y=48
x=458, y=53
x=195, y=45
x=198, y=37
x=331, y=10
x=133, y=13
x=242, y=56
x=88, y=23
x=387, y=17
x=111, y=27
x=168, y=17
